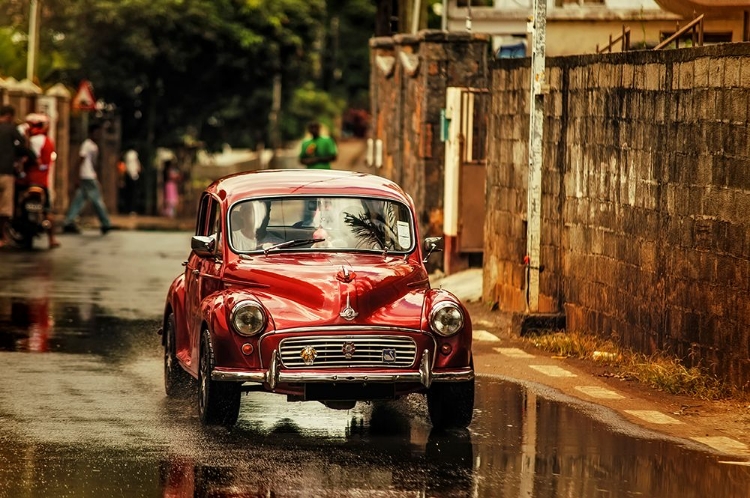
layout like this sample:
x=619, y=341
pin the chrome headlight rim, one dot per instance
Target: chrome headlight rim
x=441, y=307
x=242, y=305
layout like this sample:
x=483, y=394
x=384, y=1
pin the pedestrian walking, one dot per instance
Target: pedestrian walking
x=172, y=178
x=318, y=152
x=11, y=145
x=88, y=186
x=132, y=174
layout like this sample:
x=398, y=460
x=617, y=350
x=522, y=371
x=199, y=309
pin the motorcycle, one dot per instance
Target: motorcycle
x=29, y=219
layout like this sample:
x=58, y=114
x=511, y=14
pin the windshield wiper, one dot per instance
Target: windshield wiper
x=291, y=243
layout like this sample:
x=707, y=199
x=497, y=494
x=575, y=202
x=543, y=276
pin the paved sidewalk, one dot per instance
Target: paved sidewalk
x=721, y=427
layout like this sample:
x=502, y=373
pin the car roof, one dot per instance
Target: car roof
x=281, y=182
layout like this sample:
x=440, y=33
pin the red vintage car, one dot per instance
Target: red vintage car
x=312, y=284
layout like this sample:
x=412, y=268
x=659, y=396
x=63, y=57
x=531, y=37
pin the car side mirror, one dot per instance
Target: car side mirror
x=204, y=247
x=432, y=244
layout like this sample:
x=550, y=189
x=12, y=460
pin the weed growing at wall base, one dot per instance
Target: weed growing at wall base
x=657, y=371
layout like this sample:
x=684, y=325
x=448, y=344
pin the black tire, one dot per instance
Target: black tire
x=218, y=402
x=451, y=404
x=28, y=241
x=22, y=235
x=177, y=382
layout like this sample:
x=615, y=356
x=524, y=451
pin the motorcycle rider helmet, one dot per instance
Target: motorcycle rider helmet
x=38, y=123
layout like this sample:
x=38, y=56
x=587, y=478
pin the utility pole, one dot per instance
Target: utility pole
x=416, y=11
x=33, y=46
x=273, y=119
x=538, y=28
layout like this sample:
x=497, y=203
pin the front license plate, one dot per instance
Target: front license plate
x=346, y=392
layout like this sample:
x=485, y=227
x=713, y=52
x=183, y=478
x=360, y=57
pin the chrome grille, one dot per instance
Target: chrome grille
x=368, y=351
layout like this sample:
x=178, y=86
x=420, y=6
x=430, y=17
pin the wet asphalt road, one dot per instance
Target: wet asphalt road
x=83, y=412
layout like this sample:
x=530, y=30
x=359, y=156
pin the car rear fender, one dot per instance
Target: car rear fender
x=175, y=303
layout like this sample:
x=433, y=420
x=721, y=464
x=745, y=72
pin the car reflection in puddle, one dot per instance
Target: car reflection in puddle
x=26, y=326
x=41, y=325
x=382, y=451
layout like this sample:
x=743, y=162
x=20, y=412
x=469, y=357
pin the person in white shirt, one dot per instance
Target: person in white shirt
x=88, y=186
x=132, y=173
x=244, y=229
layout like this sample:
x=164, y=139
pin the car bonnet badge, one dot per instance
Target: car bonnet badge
x=348, y=313
x=348, y=350
x=308, y=355
x=389, y=355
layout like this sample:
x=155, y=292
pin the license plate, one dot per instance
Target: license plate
x=33, y=207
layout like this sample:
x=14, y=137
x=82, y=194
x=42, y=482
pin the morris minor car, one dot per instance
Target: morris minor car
x=313, y=284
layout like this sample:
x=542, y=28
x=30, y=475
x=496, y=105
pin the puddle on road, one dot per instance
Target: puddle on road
x=37, y=325
x=520, y=444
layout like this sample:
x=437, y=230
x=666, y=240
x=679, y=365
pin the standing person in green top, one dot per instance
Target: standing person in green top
x=317, y=152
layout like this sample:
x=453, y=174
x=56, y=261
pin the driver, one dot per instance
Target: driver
x=249, y=226
x=244, y=228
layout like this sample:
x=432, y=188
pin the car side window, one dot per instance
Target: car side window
x=214, y=224
x=203, y=211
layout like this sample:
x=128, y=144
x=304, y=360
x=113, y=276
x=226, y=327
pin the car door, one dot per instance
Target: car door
x=186, y=348
x=209, y=268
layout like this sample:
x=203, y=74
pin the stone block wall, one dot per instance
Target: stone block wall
x=646, y=199
x=408, y=82
x=507, y=179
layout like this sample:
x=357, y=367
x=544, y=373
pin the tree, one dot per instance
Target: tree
x=177, y=67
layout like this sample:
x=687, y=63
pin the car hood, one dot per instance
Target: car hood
x=334, y=289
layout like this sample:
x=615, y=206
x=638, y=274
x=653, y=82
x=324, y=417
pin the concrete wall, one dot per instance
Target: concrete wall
x=409, y=78
x=646, y=199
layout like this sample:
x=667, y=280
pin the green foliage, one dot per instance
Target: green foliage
x=12, y=54
x=201, y=69
x=307, y=104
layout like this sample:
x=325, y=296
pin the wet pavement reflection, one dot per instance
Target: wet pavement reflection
x=88, y=416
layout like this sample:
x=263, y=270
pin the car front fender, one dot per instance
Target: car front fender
x=460, y=343
x=215, y=312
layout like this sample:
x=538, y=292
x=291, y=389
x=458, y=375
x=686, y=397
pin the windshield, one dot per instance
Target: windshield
x=320, y=224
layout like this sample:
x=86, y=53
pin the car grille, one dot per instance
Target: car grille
x=369, y=351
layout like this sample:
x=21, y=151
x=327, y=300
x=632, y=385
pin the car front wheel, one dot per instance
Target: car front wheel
x=451, y=404
x=177, y=382
x=218, y=402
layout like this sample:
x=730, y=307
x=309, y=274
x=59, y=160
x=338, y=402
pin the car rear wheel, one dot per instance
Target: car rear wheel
x=451, y=404
x=177, y=382
x=218, y=402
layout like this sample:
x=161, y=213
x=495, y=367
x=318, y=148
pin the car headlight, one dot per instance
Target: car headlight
x=248, y=318
x=446, y=318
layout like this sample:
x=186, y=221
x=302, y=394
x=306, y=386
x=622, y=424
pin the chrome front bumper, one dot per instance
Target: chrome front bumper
x=273, y=376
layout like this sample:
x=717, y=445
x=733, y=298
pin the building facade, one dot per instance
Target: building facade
x=583, y=26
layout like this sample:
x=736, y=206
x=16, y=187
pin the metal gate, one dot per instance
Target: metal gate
x=464, y=131
x=473, y=159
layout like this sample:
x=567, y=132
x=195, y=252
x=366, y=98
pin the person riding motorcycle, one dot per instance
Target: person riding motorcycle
x=38, y=172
